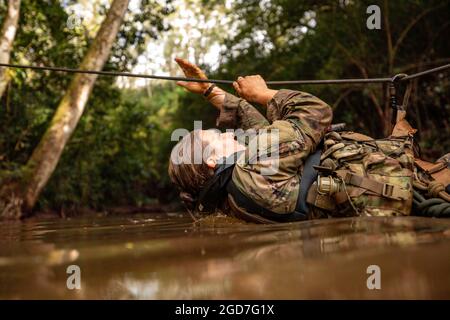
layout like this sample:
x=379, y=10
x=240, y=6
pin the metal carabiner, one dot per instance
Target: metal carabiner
x=393, y=86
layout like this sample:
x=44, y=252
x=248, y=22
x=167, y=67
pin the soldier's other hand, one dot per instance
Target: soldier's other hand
x=190, y=70
x=253, y=89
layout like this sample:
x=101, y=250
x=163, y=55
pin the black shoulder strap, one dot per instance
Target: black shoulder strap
x=253, y=208
x=308, y=177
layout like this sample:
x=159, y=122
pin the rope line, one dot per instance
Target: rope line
x=426, y=72
x=148, y=76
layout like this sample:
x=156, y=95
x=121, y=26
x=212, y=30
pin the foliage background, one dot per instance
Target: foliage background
x=119, y=152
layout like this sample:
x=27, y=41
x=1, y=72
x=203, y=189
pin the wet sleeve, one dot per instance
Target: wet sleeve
x=239, y=113
x=307, y=112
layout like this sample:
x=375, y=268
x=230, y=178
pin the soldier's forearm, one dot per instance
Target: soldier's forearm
x=217, y=98
x=263, y=97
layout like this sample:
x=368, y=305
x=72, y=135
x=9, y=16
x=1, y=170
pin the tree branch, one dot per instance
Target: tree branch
x=388, y=37
x=405, y=31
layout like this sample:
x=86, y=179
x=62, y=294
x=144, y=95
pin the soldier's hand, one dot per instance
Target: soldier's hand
x=253, y=89
x=192, y=71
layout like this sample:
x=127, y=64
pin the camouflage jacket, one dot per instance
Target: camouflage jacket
x=296, y=123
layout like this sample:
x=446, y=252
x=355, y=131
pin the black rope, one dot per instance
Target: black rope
x=433, y=207
x=148, y=76
x=114, y=73
x=426, y=72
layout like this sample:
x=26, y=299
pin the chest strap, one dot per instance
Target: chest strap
x=251, y=207
x=383, y=189
x=309, y=175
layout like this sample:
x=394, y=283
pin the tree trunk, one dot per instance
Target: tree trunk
x=7, y=35
x=46, y=155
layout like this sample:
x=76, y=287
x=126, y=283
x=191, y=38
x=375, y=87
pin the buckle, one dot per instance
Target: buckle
x=388, y=190
x=348, y=177
x=326, y=171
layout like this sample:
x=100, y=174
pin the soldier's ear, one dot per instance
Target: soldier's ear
x=211, y=162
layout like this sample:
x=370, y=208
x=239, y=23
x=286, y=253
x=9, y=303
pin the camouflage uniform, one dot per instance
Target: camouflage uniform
x=301, y=120
x=376, y=174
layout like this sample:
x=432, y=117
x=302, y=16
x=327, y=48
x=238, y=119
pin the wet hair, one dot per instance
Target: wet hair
x=188, y=170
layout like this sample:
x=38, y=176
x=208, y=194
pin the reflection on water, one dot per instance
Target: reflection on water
x=167, y=256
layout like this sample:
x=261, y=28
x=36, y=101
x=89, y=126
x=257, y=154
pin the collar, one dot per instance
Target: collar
x=214, y=192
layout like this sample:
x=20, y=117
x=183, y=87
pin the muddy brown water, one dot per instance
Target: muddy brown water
x=166, y=256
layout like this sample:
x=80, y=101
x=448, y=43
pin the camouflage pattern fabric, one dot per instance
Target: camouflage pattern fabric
x=296, y=123
x=384, y=161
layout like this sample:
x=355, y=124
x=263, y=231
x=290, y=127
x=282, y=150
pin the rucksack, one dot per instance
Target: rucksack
x=362, y=176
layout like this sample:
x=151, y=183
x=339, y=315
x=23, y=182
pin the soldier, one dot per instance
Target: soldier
x=315, y=173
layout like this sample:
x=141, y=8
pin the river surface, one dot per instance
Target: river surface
x=167, y=256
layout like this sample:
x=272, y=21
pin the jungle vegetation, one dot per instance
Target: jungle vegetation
x=117, y=154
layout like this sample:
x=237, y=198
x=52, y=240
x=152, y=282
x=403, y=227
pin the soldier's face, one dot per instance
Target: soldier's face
x=222, y=145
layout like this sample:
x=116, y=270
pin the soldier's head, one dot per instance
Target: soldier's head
x=194, y=158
